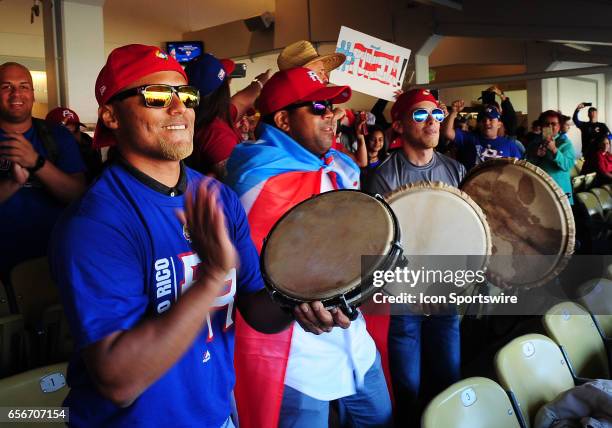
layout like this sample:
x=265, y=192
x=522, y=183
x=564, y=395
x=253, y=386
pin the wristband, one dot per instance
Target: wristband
x=259, y=83
x=40, y=162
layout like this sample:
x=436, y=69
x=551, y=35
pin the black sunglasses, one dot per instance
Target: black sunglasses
x=318, y=108
x=160, y=96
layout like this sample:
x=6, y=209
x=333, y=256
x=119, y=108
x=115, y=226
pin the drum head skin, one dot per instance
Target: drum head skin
x=314, y=251
x=530, y=218
x=440, y=220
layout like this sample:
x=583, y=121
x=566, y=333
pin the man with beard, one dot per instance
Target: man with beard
x=149, y=289
x=476, y=147
x=415, y=340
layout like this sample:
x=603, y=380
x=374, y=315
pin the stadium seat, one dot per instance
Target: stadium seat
x=5, y=308
x=41, y=387
x=574, y=172
x=604, y=198
x=599, y=227
x=34, y=289
x=57, y=344
x=476, y=402
x=589, y=179
x=577, y=183
x=34, y=292
x=572, y=327
x=607, y=187
x=11, y=344
x=591, y=203
x=596, y=297
x=578, y=164
x=533, y=369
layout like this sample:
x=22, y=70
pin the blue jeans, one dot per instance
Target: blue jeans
x=370, y=407
x=426, y=348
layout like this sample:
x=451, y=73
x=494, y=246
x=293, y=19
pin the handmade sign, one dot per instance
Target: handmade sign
x=373, y=66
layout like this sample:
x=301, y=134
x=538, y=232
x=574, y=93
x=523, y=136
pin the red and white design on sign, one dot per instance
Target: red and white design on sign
x=373, y=66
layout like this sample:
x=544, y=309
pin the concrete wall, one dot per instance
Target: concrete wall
x=83, y=57
x=142, y=21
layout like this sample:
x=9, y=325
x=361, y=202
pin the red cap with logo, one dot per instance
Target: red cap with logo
x=124, y=66
x=406, y=100
x=63, y=116
x=228, y=65
x=297, y=85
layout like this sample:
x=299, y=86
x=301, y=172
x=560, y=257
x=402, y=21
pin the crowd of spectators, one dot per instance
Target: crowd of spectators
x=306, y=144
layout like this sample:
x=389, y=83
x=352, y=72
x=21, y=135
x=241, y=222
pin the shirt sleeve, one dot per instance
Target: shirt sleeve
x=602, y=163
x=508, y=116
x=215, y=144
x=69, y=158
x=579, y=124
x=249, y=275
x=376, y=184
x=516, y=150
x=102, y=285
x=460, y=138
x=565, y=156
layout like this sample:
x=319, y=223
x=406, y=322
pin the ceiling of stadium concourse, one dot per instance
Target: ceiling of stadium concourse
x=509, y=25
x=478, y=33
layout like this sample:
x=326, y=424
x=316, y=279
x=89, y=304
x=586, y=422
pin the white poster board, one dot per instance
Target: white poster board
x=373, y=66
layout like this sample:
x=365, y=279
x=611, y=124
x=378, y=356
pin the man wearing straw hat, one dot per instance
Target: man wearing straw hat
x=304, y=54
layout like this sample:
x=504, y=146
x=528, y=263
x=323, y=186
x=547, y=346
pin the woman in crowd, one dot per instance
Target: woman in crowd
x=215, y=132
x=376, y=145
x=600, y=161
x=555, y=152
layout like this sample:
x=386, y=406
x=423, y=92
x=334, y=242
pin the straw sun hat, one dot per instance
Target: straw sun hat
x=303, y=53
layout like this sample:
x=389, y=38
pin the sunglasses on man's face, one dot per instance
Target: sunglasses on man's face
x=318, y=108
x=420, y=115
x=160, y=96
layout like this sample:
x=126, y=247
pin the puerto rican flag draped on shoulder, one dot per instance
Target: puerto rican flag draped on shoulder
x=270, y=176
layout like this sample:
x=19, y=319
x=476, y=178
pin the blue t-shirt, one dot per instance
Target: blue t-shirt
x=28, y=216
x=474, y=148
x=120, y=255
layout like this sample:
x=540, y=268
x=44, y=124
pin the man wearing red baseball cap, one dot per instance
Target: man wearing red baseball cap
x=414, y=338
x=291, y=162
x=69, y=119
x=149, y=294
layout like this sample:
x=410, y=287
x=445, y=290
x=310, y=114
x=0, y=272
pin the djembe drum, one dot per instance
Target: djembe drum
x=530, y=217
x=314, y=252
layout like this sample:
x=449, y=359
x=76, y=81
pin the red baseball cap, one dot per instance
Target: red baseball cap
x=228, y=65
x=63, y=116
x=406, y=100
x=124, y=66
x=297, y=85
